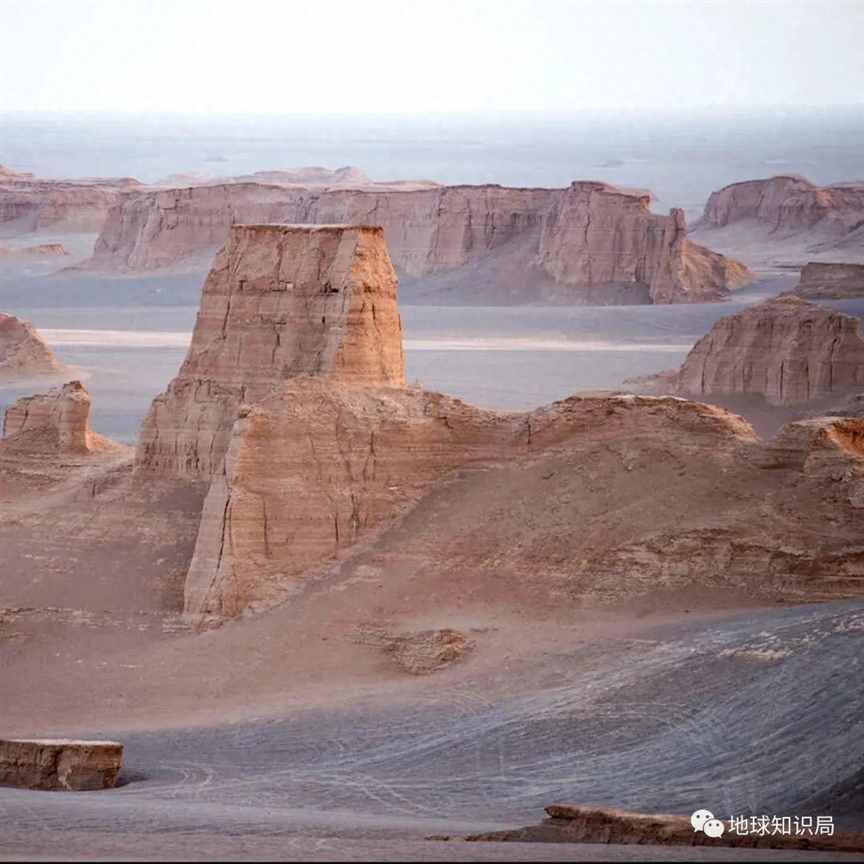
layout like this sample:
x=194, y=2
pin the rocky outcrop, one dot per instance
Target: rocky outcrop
x=629, y=254
x=419, y=653
x=572, y=823
x=53, y=423
x=23, y=354
x=786, y=350
x=60, y=764
x=24, y=253
x=595, y=234
x=788, y=204
x=281, y=301
x=781, y=220
x=29, y=204
x=830, y=281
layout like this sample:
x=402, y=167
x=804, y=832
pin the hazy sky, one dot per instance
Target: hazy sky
x=283, y=56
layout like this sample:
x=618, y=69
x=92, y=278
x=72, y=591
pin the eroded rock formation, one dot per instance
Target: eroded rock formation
x=53, y=423
x=23, y=253
x=60, y=764
x=291, y=406
x=23, y=354
x=281, y=301
x=785, y=221
x=30, y=204
x=787, y=350
x=830, y=281
x=595, y=234
x=587, y=243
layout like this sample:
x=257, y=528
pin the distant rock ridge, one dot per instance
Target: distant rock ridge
x=787, y=217
x=787, y=350
x=23, y=354
x=830, y=281
x=564, y=245
x=281, y=301
x=56, y=423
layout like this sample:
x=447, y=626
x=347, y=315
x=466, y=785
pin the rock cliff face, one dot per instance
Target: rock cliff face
x=53, y=423
x=788, y=204
x=23, y=354
x=787, y=350
x=830, y=281
x=785, y=220
x=29, y=204
x=595, y=234
x=60, y=764
x=281, y=301
x=439, y=230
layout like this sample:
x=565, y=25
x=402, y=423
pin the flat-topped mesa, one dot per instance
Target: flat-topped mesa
x=53, y=423
x=830, y=281
x=23, y=354
x=596, y=234
x=588, y=243
x=282, y=301
x=787, y=350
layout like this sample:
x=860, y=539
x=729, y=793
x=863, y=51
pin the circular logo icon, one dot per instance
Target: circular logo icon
x=714, y=827
x=699, y=818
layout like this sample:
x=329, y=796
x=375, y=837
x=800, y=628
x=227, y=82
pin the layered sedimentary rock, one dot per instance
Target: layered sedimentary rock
x=60, y=764
x=787, y=350
x=30, y=204
x=291, y=406
x=572, y=823
x=788, y=203
x=665, y=488
x=427, y=230
x=782, y=222
x=595, y=234
x=281, y=301
x=830, y=281
x=23, y=354
x=53, y=423
x=538, y=241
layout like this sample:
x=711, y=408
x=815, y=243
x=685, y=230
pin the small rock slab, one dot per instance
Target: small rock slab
x=59, y=763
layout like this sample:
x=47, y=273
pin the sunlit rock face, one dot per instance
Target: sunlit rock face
x=281, y=301
x=596, y=234
x=52, y=423
x=787, y=350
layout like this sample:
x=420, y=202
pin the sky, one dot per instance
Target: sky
x=405, y=56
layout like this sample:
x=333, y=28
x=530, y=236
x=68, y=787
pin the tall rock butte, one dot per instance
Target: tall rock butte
x=23, y=354
x=587, y=243
x=56, y=423
x=281, y=301
x=787, y=350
